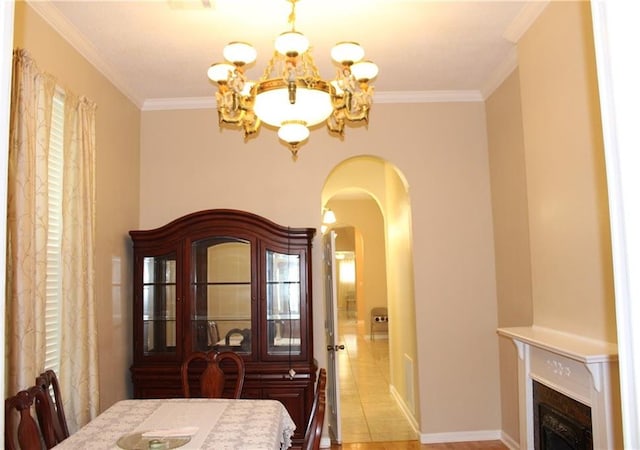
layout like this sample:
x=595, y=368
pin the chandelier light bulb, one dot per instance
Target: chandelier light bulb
x=336, y=86
x=239, y=53
x=219, y=72
x=293, y=132
x=364, y=70
x=347, y=53
x=246, y=90
x=292, y=43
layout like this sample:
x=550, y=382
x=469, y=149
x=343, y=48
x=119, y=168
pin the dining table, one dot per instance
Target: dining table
x=187, y=423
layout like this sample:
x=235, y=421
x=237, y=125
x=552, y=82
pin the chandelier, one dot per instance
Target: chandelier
x=291, y=96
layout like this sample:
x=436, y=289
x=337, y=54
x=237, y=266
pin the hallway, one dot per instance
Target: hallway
x=369, y=412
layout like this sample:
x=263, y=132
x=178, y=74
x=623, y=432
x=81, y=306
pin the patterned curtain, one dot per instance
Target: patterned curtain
x=27, y=225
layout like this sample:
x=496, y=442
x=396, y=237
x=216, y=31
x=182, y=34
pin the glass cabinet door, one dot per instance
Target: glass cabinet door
x=221, y=293
x=159, y=304
x=283, y=303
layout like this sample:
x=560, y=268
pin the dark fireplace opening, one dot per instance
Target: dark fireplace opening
x=560, y=422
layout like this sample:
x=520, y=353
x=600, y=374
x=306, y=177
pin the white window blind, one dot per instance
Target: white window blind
x=54, y=236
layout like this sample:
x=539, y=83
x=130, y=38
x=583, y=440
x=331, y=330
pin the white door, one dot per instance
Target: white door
x=331, y=336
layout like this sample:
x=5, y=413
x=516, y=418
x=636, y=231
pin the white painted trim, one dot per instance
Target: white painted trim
x=6, y=50
x=164, y=104
x=616, y=33
x=405, y=409
x=325, y=442
x=461, y=436
x=427, y=96
x=500, y=74
x=167, y=104
x=509, y=441
x=513, y=33
x=70, y=33
x=522, y=22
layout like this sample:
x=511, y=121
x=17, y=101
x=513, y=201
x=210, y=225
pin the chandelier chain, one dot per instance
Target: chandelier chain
x=292, y=15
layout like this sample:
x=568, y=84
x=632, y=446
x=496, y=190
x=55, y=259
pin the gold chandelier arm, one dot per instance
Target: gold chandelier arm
x=270, y=66
x=335, y=122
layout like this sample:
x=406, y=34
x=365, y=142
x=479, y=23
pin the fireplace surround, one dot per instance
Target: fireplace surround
x=581, y=369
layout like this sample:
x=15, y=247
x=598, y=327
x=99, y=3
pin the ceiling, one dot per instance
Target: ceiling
x=157, y=52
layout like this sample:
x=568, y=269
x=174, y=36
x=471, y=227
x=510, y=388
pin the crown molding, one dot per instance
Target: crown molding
x=500, y=74
x=166, y=104
x=162, y=104
x=50, y=14
x=522, y=22
x=516, y=29
x=428, y=96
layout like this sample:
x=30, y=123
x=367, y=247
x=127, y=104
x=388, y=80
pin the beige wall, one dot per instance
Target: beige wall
x=188, y=164
x=568, y=211
x=511, y=235
x=117, y=185
x=401, y=299
x=553, y=256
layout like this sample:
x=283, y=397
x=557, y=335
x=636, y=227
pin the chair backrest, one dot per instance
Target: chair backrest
x=21, y=431
x=47, y=381
x=242, y=338
x=313, y=432
x=212, y=380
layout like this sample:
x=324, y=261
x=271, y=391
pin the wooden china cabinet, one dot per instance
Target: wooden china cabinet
x=224, y=279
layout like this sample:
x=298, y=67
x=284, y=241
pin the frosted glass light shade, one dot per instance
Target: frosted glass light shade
x=219, y=72
x=347, y=52
x=293, y=132
x=364, y=71
x=272, y=105
x=292, y=43
x=336, y=86
x=329, y=217
x=239, y=53
x=246, y=90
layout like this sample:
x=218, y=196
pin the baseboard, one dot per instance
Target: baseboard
x=325, y=442
x=510, y=442
x=461, y=436
x=405, y=409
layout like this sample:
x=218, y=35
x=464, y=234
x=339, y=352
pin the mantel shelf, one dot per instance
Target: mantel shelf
x=569, y=345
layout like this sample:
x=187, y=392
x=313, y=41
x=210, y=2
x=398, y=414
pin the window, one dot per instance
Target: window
x=54, y=236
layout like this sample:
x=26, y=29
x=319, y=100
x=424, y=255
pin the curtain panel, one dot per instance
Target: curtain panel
x=27, y=226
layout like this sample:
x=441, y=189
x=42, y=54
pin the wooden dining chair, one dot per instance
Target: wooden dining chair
x=21, y=431
x=213, y=378
x=49, y=381
x=313, y=432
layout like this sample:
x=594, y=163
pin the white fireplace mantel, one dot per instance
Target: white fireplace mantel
x=581, y=368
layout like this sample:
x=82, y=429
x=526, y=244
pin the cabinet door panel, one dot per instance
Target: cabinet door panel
x=221, y=294
x=283, y=293
x=159, y=304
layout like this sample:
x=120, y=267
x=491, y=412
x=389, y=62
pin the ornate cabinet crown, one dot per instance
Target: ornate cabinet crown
x=224, y=279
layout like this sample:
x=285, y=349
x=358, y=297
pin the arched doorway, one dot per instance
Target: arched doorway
x=370, y=199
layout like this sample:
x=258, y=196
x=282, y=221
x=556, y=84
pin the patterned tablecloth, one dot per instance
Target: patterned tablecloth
x=217, y=424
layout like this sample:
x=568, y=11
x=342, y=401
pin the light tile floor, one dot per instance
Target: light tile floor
x=369, y=411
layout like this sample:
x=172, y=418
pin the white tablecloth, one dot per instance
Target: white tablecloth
x=221, y=423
